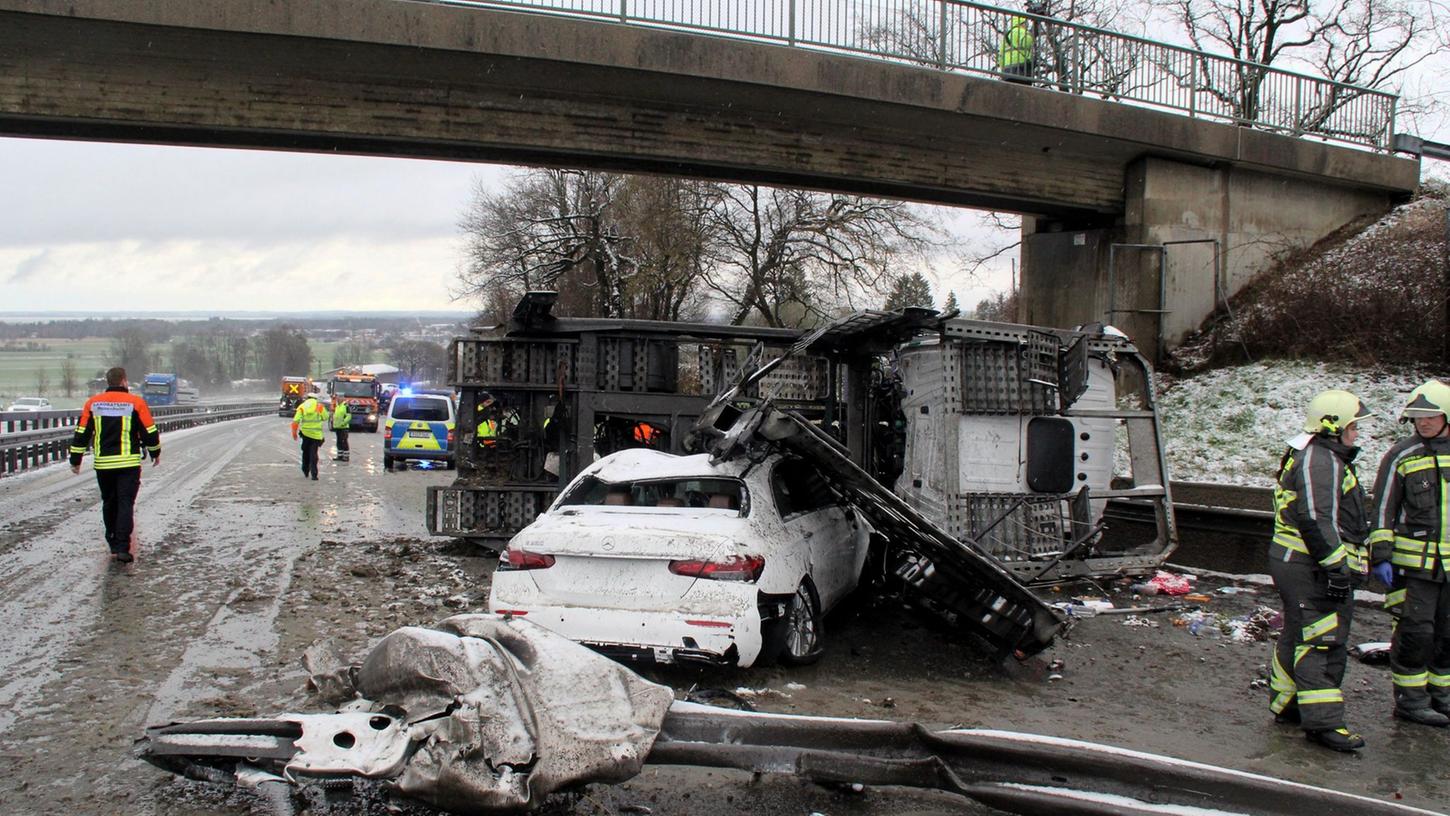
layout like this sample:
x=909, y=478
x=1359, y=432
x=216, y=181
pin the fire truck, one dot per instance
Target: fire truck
x=360, y=390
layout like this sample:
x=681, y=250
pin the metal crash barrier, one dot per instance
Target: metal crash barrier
x=490, y=714
x=50, y=439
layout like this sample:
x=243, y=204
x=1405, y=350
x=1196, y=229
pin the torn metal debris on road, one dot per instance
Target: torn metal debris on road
x=488, y=714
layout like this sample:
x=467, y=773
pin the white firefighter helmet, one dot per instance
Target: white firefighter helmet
x=1332, y=411
x=1428, y=399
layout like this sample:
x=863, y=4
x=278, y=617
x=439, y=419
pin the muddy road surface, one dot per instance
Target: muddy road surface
x=242, y=565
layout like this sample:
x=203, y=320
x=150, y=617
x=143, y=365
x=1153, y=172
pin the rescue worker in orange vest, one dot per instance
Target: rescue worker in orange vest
x=1316, y=558
x=115, y=426
x=1408, y=549
x=309, y=420
x=645, y=433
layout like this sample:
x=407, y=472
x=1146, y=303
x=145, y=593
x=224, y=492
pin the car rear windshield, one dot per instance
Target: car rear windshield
x=29, y=401
x=706, y=492
x=421, y=408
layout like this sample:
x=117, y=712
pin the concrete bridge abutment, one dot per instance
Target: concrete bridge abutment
x=1190, y=236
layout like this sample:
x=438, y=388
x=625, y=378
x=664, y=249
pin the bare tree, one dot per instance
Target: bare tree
x=131, y=349
x=787, y=257
x=549, y=229
x=68, y=377
x=1368, y=43
x=669, y=220
x=42, y=382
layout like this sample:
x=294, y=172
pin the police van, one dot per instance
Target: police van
x=420, y=426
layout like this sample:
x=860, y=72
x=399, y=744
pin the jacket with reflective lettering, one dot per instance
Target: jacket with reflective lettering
x=1412, y=497
x=114, y=426
x=1319, y=505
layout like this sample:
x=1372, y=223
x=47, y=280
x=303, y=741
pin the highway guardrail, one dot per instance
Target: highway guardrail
x=50, y=436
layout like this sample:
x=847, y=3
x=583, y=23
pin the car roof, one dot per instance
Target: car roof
x=638, y=464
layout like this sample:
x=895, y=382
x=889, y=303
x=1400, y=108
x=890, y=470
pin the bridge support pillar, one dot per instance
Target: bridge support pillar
x=1189, y=237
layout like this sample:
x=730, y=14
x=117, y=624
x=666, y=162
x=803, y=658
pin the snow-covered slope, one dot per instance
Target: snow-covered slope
x=1229, y=425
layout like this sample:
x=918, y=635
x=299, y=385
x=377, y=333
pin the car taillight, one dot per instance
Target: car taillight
x=734, y=568
x=512, y=559
x=450, y=437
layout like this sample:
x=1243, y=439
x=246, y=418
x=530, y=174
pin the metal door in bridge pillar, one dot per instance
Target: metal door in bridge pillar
x=1192, y=288
x=1136, y=296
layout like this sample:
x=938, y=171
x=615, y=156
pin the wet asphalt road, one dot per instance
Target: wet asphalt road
x=243, y=564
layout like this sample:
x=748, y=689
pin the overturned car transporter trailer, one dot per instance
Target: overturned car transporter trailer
x=982, y=453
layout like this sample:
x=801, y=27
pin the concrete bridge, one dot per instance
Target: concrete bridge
x=1156, y=214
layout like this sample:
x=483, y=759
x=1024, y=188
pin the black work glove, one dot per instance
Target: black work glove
x=1339, y=585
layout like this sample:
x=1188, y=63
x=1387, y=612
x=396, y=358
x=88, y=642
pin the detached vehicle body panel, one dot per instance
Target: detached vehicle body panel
x=647, y=555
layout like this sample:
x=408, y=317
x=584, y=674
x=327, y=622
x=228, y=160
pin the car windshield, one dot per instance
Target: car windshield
x=30, y=401
x=156, y=388
x=352, y=389
x=702, y=492
x=424, y=409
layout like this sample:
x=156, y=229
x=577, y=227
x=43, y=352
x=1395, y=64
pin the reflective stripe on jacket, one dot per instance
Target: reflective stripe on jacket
x=310, y=418
x=114, y=425
x=1319, y=507
x=1016, y=46
x=1412, y=498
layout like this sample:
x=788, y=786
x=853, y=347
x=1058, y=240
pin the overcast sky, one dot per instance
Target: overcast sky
x=94, y=226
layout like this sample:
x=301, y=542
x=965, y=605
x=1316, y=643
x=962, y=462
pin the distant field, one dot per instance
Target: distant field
x=19, y=369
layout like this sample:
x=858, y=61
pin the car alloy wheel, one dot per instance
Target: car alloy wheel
x=802, y=627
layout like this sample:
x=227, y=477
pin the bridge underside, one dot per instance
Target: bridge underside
x=406, y=79
x=391, y=78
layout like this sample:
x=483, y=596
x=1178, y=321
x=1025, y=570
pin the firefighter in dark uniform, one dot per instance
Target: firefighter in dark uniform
x=116, y=428
x=1409, y=545
x=1316, y=558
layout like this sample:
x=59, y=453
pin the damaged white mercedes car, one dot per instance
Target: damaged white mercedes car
x=650, y=556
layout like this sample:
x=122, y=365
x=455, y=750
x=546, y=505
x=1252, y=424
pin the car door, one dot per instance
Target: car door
x=814, y=518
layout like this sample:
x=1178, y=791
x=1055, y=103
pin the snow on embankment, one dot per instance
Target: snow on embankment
x=1230, y=425
x=1371, y=296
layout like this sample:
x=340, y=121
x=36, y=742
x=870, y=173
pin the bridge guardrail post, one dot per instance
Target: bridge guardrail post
x=791, y=30
x=941, y=46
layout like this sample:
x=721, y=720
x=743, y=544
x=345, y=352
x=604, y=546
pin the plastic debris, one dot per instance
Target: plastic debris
x=1134, y=620
x=1197, y=597
x=1237, y=590
x=1166, y=583
x=1372, y=654
x=1251, y=628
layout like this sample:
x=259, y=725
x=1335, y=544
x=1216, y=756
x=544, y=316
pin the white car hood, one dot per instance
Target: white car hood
x=635, y=532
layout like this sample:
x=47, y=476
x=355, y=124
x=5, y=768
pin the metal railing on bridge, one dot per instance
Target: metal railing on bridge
x=32, y=439
x=1069, y=57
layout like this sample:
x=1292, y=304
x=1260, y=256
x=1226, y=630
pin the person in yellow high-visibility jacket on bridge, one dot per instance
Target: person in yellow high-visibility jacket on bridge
x=1016, y=53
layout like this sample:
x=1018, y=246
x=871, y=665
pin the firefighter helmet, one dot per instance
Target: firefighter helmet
x=1332, y=411
x=1428, y=399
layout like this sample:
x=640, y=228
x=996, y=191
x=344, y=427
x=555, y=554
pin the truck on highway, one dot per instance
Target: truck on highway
x=294, y=391
x=360, y=390
x=167, y=389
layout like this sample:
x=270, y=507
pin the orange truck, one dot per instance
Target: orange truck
x=360, y=391
x=294, y=391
